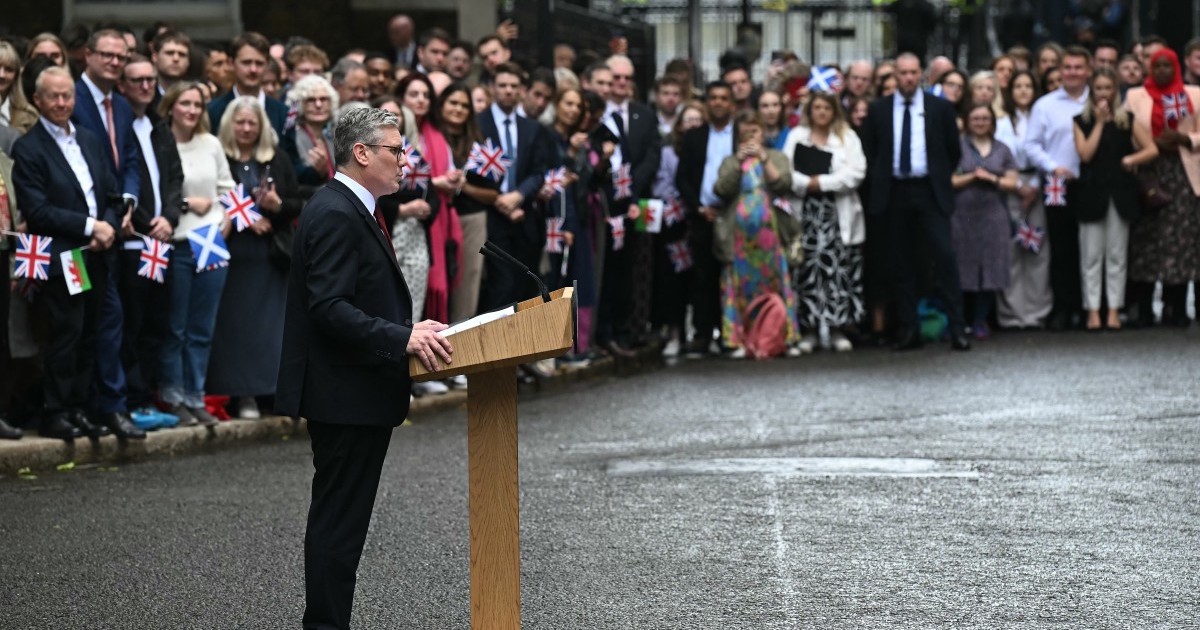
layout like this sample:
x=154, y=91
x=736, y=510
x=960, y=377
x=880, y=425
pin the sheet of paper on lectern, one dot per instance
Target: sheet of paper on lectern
x=479, y=320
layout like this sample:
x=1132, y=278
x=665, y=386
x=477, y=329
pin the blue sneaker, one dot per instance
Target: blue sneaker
x=145, y=419
x=165, y=420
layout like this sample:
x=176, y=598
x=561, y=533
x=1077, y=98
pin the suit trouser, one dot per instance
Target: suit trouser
x=505, y=284
x=110, y=373
x=1063, y=230
x=912, y=213
x=70, y=346
x=146, y=305
x=616, y=292
x=705, y=290
x=1103, y=245
x=348, y=460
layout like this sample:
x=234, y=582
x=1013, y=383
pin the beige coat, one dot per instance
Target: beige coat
x=847, y=169
x=1139, y=103
x=728, y=187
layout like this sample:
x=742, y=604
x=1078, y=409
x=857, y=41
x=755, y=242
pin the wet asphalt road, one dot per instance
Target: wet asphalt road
x=1041, y=481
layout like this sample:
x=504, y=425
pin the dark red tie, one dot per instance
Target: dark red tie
x=387, y=235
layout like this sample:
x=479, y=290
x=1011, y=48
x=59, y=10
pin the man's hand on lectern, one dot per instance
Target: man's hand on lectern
x=428, y=346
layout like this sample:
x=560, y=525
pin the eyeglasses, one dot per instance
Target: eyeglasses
x=394, y=149
x=111, y=56
x=317, y=99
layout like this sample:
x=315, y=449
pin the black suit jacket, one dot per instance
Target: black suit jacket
x=170, y=179
x=88, y=116
x=52, y=201
x=347, y=320
x=532, y=159
x=693, y=151
x=642, y=150
x=942, y=147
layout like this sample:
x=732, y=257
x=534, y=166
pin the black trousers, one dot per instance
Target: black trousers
x=616, y=291
x=348, y=460
x=504, y=284
x=914, y=217
x=1063, y=230
x=145, y=304
x=704, y=295
x=70, y=346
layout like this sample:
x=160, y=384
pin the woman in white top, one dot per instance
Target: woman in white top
x=1027, y=301
x=194, y=294
x=829, y=281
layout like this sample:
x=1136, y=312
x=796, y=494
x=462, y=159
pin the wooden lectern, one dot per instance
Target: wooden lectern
x=488, y=354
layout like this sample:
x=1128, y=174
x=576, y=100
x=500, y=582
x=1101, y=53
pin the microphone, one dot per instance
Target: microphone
x=493, y=251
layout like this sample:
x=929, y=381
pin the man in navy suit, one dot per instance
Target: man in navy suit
x=63, y=180
x=347, y=337
x=250, y=52
x=512, y=223
x=912, y=147
x=100, y=109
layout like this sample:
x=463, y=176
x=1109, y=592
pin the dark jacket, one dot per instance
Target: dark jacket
x=170, y=179
x=942, y=148
x=88, y=116
x=1102, y=179
x=347, y=321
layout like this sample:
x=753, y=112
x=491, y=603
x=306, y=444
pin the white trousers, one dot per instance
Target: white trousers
x=1103, y=249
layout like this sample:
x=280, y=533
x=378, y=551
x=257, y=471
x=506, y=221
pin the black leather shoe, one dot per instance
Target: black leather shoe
x=908, y=340
x=85, y=426
x=8, y=431
x=960, y=342
x=122, y=425
x=57, y=426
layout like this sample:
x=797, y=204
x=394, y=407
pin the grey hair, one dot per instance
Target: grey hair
x=52, y=71
x=308, y=87
x=363, y=125
x=342, y=69
x=343, y=110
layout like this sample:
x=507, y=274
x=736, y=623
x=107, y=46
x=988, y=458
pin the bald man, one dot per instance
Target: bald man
x=400, y=34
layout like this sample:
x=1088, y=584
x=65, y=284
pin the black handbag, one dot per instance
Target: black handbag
x=1152, y=197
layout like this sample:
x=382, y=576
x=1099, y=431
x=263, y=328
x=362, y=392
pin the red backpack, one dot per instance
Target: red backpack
x=764, y=333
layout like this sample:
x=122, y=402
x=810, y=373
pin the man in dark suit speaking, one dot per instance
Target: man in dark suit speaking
x=912, y=147
x=347, y=336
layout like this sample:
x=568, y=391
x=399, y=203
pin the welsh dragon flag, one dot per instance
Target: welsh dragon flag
x=75, y=272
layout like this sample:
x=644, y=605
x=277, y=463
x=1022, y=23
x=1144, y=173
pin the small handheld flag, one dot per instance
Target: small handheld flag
x=617, y=226
x=1029, y=237
x=673, y=212
x=681, y=256
x=240, y=208
x=32, y=257
x=555, y=235
x=156, y=255
x=622, y=182
x=1056, y=191
x=650, y=219
x=488, y=160
x=556, y=179
x=208, y=248
x=418, y=176
x=75, y=271
x=824, y=79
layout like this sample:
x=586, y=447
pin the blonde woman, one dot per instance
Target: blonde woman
x=194, y=295
x=15, y=111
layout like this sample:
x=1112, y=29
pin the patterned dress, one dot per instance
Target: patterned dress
x=1165, y=245
x=759, y=265
x=829, y=280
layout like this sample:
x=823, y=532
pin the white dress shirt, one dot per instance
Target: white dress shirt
x=623, y=108
x=68, y=143
x=142, y=128
x=499, y=116
x=720, y=146
x=1050, y=141
x=919, y=158
x=359, y=191
x=262, y=100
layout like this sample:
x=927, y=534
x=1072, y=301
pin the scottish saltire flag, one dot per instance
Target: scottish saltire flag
x=556, y=179
x=623, y=182
x=1029, y=237
x=75, y=272
x=208, y=248
x=555, y=235
x=824, y=79
x=239, y=207
x=488, y=160
x=1056, y=191
x=617, y=227
x=672, y=212
x=156, y=255
x=938, y=91
x=681, y=255
x=33, y=257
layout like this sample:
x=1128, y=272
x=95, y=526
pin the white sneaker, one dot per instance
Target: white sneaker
x=793, y=352
x=739, y=353
x=671, y=350
x=248, y=408
x=840, y=342
x=806, y=345
x=457, y=382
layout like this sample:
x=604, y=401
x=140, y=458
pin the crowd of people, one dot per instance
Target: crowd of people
x=887, y=202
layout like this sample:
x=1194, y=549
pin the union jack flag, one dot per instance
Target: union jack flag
x=617, y=225
x=412, y=157
x=240, y=207
x=824, y=79
x=783, y=204
x=292, y=116
x=1175, y=107
x=673, y=212
x=488, y=160
x=1029, y=237
x=417, y=176
x=1056, y=191
x=622, y=182
x=555, y=236
x=681, y=256
x=33, y=257
x=556, y=179
x=156, y=255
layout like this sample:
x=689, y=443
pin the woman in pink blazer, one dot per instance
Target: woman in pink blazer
x=1165, y=245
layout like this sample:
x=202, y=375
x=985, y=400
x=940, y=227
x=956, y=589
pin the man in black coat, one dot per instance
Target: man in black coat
x=347, y=338
x=701, y=152
x=912, y=147
x=64, y=182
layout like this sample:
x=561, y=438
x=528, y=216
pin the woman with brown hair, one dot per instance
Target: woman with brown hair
x=15, y=110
